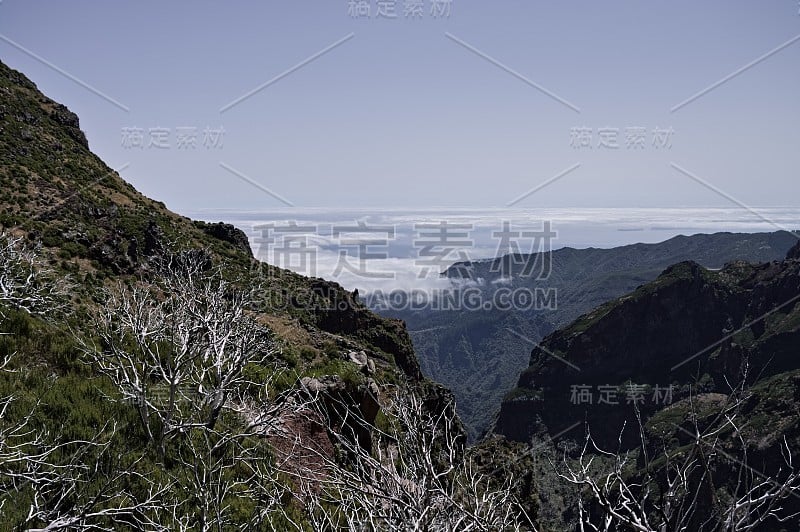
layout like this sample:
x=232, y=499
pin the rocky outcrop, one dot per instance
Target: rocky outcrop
x=227, y=233
x=337, y=311
x=70, y=123
x=154, y=241
x=364, y=363
x=340, y=398
x=300, y=440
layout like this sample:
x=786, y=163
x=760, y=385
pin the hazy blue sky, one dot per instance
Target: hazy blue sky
x=400, y=114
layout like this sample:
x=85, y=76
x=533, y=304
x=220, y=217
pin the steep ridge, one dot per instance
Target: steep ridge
x=691, y=331
x=95, y=226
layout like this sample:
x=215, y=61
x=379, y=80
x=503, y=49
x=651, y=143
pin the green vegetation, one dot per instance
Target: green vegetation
x=108, y=424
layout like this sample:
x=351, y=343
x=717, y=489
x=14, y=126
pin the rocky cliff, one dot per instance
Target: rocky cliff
x=690, y=331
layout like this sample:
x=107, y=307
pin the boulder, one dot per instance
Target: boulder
x=227, y=233
x=327, y=384
x=369, y=402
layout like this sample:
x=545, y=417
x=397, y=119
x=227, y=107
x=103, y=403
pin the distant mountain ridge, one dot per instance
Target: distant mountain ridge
x=713, y=249
x=479, y=354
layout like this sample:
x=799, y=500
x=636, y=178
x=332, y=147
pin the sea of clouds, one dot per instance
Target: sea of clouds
x=392, y=260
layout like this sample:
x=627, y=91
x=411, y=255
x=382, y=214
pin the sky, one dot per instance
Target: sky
x=271, y=105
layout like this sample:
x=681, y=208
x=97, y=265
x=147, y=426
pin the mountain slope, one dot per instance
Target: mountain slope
x=691, y=330
x=95, y=226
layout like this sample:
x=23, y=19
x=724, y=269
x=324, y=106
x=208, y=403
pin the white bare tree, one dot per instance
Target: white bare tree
x=62, y=479
x=26, y=282
x=224, y=481
x=219, y=473
x=177, y=348
x=686, y=489
x=415, y=477
x=82, y=492
x=24, y=285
